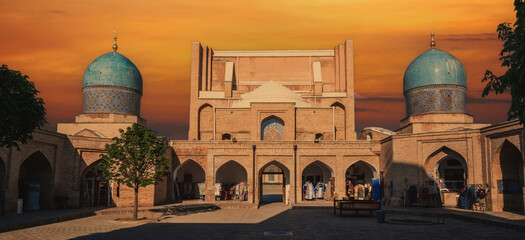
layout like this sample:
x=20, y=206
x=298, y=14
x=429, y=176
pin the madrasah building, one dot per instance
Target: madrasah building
x=276, y=121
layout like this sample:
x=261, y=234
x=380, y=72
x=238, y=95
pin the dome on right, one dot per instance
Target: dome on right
x=434, y=67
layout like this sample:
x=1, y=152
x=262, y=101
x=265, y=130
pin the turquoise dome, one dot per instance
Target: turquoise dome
x=113, y=69
x=434, y=67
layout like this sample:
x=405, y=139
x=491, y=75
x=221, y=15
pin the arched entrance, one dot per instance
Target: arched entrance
x=274, y=183
x=189, y=181
x=34, y=182
x=360, y=181
x=508, y=177
x=317, y=182
x=95, y=188
x=231, y=182
x=452, y=172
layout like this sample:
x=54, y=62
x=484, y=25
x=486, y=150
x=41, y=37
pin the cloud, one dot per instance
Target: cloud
x=470, y=37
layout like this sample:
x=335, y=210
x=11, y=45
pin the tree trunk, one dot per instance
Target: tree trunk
x=136, y=204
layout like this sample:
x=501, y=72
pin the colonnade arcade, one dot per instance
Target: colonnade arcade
x=231, y=181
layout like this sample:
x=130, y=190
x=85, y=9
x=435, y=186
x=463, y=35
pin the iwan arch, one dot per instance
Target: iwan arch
x=275, y=118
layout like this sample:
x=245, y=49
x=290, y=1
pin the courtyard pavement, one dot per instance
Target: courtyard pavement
x=271, y=221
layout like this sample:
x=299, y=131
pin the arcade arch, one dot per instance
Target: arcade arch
x=231, y=182
x=189, y=181
x=317, y=181
x=359, y=180
x=507, y=177
x=274, y=183
x=95, y=187
x=34, y=182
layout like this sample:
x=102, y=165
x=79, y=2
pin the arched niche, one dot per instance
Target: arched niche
x=95, y=189
x=231, y=182
x=35, y=182
x=272, y=129
x=189, y=180
x=205, y=122
x=507, y=176
x=339, y=120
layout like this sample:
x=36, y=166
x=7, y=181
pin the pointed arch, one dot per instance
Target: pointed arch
x=231, y=172
x=205, y=122
x=273, y=178
x=272, y=128
x=339, y=120
x=35, y=182
x=363, y=168
x=448, y=167
x=189, y=180
x=95, y=189
x=507, y=176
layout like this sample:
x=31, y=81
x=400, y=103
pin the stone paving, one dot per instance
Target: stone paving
x=272, y=221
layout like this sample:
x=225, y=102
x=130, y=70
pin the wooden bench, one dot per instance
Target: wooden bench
x=356, y=205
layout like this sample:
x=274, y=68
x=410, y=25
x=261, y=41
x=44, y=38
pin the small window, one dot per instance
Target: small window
x=226, y=136
x=271, y=177
x=318, y=136
x=369, y=137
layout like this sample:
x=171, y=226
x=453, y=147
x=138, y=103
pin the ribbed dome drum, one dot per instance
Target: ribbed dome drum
x=112, y=84
x=435, y=82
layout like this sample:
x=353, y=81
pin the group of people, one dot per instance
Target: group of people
x=231, y=191
x=358, y=191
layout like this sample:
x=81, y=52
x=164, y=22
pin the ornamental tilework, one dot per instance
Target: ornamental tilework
x=108, y=99
x=435, y=99
x=272, y=129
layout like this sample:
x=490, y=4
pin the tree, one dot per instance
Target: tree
x=512, y=57
x=135, y=159
x=21, y=111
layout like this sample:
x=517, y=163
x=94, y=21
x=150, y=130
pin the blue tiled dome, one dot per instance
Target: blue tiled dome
x=113, y=69
x=434, y=67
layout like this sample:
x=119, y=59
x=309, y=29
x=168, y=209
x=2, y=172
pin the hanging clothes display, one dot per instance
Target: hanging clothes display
x=320, y=190
x=309, y=191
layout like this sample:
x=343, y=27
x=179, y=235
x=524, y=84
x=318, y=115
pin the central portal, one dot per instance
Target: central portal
x=274, y=183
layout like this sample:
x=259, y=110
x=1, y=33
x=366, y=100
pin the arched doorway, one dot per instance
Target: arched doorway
x=449, y=171
x=95, y=188
x=274, y=183
x=189, y=181
x=508, y=177
x=272, y=129
x=231, y=182
x=34, y=182
x=317, y=182
x=361, y=179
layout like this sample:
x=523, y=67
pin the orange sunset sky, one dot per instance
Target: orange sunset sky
x=54, y=41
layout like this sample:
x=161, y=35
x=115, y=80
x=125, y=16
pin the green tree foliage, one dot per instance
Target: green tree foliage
x=135, y=159
x=512, y=57
x=21, y=111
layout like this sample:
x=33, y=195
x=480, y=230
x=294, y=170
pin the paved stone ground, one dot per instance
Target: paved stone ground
x=272, y=218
